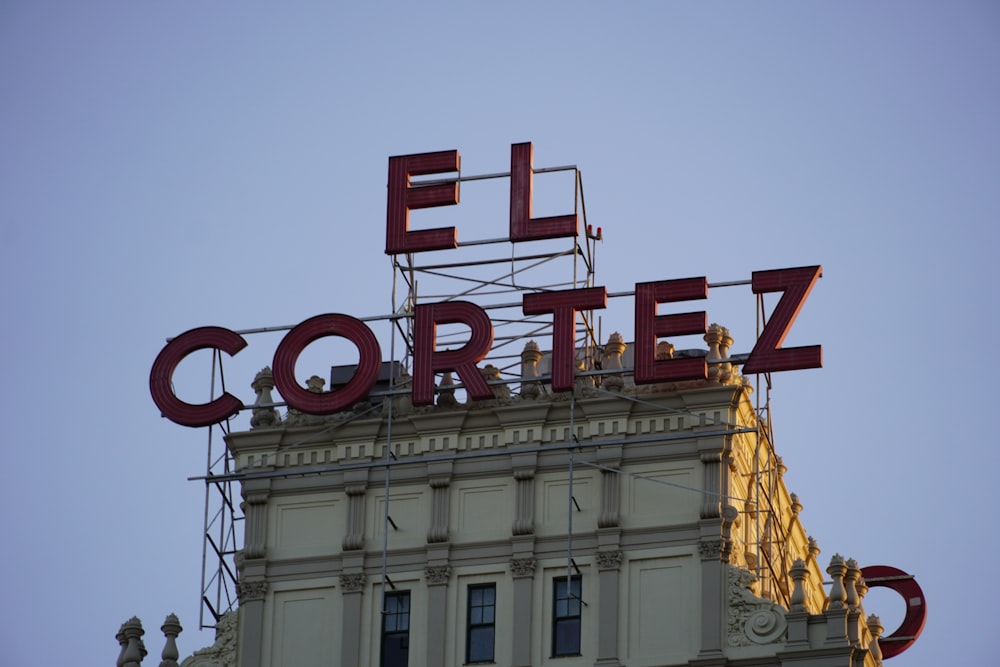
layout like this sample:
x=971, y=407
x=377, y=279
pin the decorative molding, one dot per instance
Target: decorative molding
x=609, y=560
x=251, y=591
x=256, y=497
x=718, y=549
x=223, y=652
x=353, y=583
x=710, y=550
x=437, y=575
x=750, y=619
x=522, y=567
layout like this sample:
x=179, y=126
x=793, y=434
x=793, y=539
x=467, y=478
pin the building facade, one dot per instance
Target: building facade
x=611, y=525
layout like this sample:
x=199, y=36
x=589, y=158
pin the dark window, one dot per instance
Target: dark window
x=481, y=623
x=396, y=629
x=566, y=604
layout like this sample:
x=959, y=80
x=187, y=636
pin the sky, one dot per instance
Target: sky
x=165, y=166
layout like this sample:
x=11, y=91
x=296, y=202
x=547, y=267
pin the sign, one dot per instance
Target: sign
x=404, y=195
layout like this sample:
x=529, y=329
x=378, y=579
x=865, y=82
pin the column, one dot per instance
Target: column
x=523, y=571
x=437, y=608
x=252, y=594
x=609, y=565
x=352, y=586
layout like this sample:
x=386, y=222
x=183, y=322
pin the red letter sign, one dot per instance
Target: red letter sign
x=403, y=198
x=522, y=226
x=564, y=306
x=427, y=362
x=916, y=606
x=767, y=355
x=296, y=340
x=649, y=326
x=162, y=374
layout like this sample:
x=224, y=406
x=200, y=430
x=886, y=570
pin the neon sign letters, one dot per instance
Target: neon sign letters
x=404, y=195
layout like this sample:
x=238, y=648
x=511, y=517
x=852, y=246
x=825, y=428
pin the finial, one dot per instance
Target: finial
x=799, y=573
x=446, y=391
x=135, y=650
x=876, y=628
x=664, y=350
x=836, y=570
x=171, y=628
x=613, y=350
x=713, y=336
x=850, y=583
x=530, y=357
x=796, y=505
x=263, y=414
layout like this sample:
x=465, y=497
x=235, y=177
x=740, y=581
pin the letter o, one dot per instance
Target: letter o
x=320, y=326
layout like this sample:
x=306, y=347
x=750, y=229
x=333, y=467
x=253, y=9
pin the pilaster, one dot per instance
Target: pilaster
x=251, y=595
x=352, y=586
x=523, y=572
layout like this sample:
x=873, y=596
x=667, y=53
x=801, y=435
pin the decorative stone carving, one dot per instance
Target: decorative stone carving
x=446, y=391
x=402, y=400
x=524, y=502
x=750, y=619
x=437, y=575
x=876, y=629
x=613, y=351
x=264, y=416
x=796, y=504
x=799, y=573
x=713, y=336
x=609, y=560
x=130, y=639
x=522, y=567
x=354, y=535
x=501, y=392
x=251, y=591
x=727, y=374
x=255, y=519
x=814, y=549
x=298, y=418
x=440, y=509
x=850, y=583
x=530, y=356
x=837, y=570
x=353, y=583
x=223, y=652
x=171, y=628
x=715, y=549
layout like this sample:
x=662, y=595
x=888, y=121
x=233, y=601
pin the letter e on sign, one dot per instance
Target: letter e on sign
x=404, y=196
x=649, y=326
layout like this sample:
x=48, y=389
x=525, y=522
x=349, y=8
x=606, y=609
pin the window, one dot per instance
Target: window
x=481, y=623
x=396, y=629
x=566, y=604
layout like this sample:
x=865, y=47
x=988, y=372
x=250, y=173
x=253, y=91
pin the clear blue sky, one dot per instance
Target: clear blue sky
x=170, y=165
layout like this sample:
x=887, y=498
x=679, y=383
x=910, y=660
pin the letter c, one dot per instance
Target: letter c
x=916, y=606
x=162, y=374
